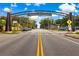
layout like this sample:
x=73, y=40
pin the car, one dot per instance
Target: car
x=63, y=28
x=77, y=27
x=26, y=29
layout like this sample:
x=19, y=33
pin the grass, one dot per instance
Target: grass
x=59, y=30
x=10, y=32
x=62, y=30
x=76, y=32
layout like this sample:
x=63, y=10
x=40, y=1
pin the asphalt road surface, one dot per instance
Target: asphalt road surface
x=39, y=42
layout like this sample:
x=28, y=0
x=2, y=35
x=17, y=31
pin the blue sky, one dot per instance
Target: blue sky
x=31, y=6
x=22, y=6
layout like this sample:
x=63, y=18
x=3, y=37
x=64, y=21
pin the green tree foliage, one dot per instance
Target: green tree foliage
x=45, y=23
x=2, y=22
x=62, y=22
x=24, y=21
x=76, y=20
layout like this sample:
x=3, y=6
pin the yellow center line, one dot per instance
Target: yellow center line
x=40, y=51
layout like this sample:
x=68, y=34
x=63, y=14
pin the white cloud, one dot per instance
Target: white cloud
x=54, y=15
x=62, y=11
x=58, y=11
x=74, y=5
x=13, y=5
x=6, y=9
x=76, y=10
x=34, y=17
x=78, y=6
x=28, y=4
x=25, y=8
x=67, y=7
x=38, y=4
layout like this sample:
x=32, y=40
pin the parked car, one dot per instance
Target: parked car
x=26, y=29
x=77, y=27
x=63, y=28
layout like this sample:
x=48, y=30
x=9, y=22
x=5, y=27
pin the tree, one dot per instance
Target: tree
x=2, y=22
x=24, y=21
x=76, y=20
x=62, y=22
x=45, y=23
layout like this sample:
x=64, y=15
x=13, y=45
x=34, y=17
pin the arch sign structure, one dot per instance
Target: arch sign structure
x=31, y=13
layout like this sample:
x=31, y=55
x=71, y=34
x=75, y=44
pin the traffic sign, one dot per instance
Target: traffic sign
x=14, y=21
x=69, y=22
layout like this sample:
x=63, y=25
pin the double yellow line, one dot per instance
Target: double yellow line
x=40, y=51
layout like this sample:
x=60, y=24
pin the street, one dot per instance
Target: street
x=38, y=42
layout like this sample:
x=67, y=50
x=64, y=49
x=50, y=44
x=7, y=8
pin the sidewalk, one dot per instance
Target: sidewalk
x=58, y=31
x=76, y=36
x=5, y=36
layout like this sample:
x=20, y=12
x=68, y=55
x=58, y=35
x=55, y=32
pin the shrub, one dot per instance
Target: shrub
x=77, y=32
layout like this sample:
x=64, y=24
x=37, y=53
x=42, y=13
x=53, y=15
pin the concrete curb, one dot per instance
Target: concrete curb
x=72, y=36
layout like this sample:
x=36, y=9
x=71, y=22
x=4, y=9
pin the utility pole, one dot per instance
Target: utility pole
x=48, y=23
x=8, y=21
x=71, y=18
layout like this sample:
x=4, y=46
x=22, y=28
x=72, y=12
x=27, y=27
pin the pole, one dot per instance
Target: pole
x=71, y=18
x=8, y=22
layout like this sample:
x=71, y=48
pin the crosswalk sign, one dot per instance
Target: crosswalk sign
x=69, y=22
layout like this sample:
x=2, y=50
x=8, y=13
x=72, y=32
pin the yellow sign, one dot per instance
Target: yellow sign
x=69, y=25
x=69, y=22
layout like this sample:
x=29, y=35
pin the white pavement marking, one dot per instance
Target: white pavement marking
x=71, y=41
x=67, y=39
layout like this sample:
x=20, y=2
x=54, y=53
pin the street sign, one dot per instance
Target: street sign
x=14, y=21
x=69, y=22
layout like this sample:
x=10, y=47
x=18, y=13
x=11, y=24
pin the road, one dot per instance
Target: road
x=38, y=42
